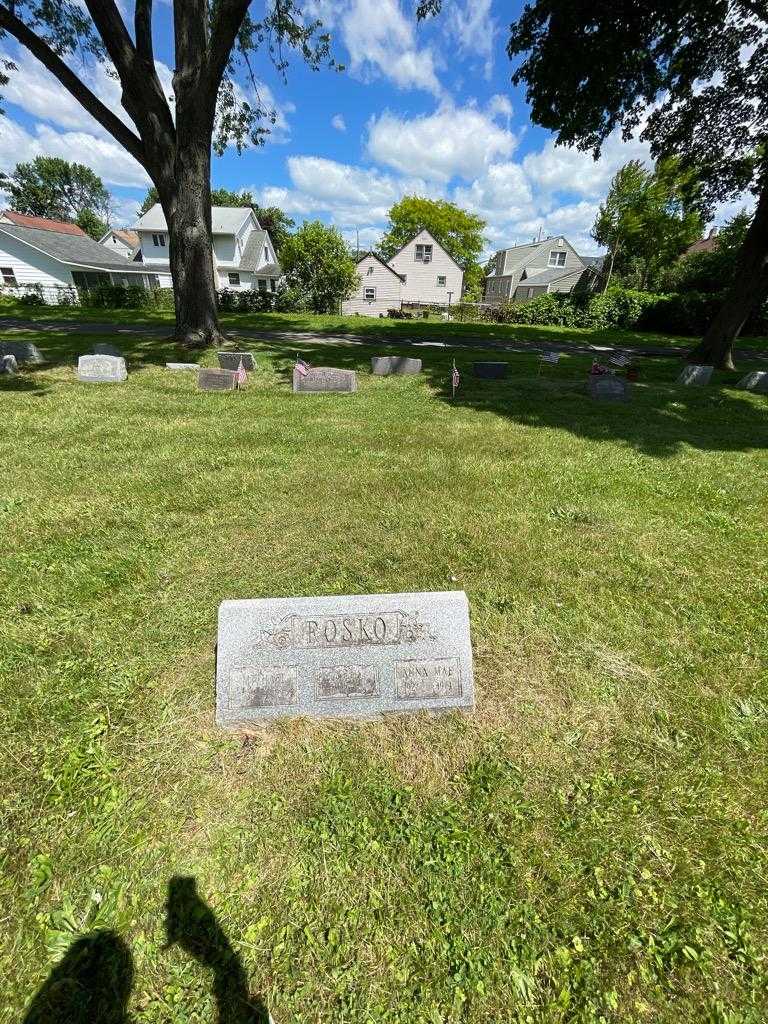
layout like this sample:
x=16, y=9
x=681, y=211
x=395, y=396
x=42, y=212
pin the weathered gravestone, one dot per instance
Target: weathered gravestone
x=755, y=381
x=182, y=366
x=8, y=364
x=319, y=379
x=103, y=348
x=342, y=657
x=24, y=351
x=607, y=388
x=382, y=366
x=231, y=360
x=101, y=369
x=694, y=374
x=490, y=371
x=211, y=379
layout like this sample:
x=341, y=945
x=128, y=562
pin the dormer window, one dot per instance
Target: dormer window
x=423, y=254
x=557, y=259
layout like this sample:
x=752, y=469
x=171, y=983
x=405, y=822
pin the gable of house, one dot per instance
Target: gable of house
x=430, y=274
x=380, y=288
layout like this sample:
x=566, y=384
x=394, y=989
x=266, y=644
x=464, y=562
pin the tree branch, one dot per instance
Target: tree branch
x=109, y=22
x=88, y=100
x=142, y=23
x=228, y=21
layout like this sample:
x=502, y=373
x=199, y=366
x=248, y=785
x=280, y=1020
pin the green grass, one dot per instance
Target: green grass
x=590, y=845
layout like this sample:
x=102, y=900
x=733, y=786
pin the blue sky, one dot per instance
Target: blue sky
x=425, y=109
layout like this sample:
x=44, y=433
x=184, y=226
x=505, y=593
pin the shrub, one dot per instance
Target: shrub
x=31, y=299
x=619, y=307
x=118, y=296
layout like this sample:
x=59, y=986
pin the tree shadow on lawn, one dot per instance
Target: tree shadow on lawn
x=92, y=983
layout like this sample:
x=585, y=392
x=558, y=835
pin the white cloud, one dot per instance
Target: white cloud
x=338, y=122
x=453, y=141
x=566, y=169
x=502, y=191
x=473, y=30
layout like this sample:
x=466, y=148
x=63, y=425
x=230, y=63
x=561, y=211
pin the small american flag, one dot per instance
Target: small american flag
x=301, y=367
x=455, y=379
x=241, y=377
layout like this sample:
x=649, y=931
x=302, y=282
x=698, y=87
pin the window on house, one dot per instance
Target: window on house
x=369, y=294
x=272, y=284
x=441, y=281
x=234, y=278
x=369, y=270
x=153, y=280
x=423, y=254
x=557, y=259
x=158, y=241
x=9, y=277
x=262, y=284
x=405, y=278
x=530, y=293
x=266, y=254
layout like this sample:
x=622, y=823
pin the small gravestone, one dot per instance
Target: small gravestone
x=182, y=366
x=101, y=369
x=694, y=374
x=548, y=356
x=8, y=364
x=24, y=351
x=103, y=348
x=320, y=379
x=607, y=388
x=756, y=381
x=382, y=366
x=490, y=371
x=342, y=657
x=231, y=360
x=211, y=379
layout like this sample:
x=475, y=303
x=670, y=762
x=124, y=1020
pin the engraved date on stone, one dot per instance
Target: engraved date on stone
x=344, y=681
x=265, y=687
x=428, y=678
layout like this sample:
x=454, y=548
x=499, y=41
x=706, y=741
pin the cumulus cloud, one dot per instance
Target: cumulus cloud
x=566, y=169
x=338, y=122
x=454, y=141
x=472, y=28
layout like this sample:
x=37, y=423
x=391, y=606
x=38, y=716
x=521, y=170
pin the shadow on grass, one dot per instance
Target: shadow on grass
x=92, y=983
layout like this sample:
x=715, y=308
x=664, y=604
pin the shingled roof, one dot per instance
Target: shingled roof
x=24, y=220
x=78, y=250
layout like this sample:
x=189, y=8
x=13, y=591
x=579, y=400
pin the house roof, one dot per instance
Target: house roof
x=549, y=276
x=225, y=220
x=269, y=270
x=423, y=231
x=593, y=262
x=517, y=256
x=254, y=247
x=23, y=220
x=73, y=250
x=703, y=245
x=130, y=238
x=373, y=255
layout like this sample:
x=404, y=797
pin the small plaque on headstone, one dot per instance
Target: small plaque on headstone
x=211, y=379
x=343, y=657
x=382, y=366
x=694, y=374
x=101, y=369
x=24, y=351
x=755, y=381
x=103, y=348
x=319, y=379
x=490, y=370
x=182, y=366
x=231, y=360
x=607, y=388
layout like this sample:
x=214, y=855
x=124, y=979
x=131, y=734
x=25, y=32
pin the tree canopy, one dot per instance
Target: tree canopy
x=51, y=187
x=459, y=232
x=317, y=263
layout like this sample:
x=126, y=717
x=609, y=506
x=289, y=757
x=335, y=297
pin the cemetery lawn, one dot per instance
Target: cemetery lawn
x=591, y=845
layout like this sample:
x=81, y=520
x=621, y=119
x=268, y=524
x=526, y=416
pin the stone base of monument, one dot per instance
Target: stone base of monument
x=356, y=656
x=95, y=369
x=212, y=379
x=322, y=379
x=24, y=351
x=607, y=388
x=490, y=371
x=103, y=348
x=383, y=366
x=694, y=374
x=756, y=381
x=231, y=360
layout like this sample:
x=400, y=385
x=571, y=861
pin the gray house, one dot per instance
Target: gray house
x=552, y=265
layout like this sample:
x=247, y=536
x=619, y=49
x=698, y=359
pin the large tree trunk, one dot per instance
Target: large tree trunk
x=187, y=209
x=748, y=289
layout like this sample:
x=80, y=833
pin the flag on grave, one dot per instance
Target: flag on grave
x=241, y=377
x=301, y=367
x=455, y=379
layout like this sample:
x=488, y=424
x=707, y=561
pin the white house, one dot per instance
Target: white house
x=421, y=272
x=429, y=274
x=243, y=253
x=122, y=241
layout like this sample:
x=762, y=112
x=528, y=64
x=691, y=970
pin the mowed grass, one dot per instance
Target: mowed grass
x=590, y=845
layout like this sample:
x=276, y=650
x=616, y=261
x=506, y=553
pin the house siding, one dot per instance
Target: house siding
x=421, y=278
x=31, y=267
x=524, y=262
x=388, y=290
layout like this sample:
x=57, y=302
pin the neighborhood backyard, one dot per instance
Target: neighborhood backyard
x=591, y=844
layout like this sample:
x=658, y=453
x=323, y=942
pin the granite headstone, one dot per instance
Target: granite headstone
x=694, y=374
x=103, y=348
x=24, y=351
x=93, y=369
x=8, y=364
x=490, y=370
x=211, y=379
x=319, y=379
x=231, y=360
x=343, y=657
x=608, y=388
x=382, y=366
x=757, y=381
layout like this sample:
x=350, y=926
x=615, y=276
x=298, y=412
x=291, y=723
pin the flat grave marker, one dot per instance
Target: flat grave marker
x=694, y=374
x=231, y=360
x=182, y=366
x=321, y=379
x=95, y=369
x=756, y=381
x=213, y=379
x=343, y=657
x=490, y=370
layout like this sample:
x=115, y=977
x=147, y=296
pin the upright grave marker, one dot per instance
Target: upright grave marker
x=231, y=360
x=24, y=351
x=756, y=381
x=490, y=370
x=607, y=388
x=211, y=379
x=343, y=657
x=320, y=379
x=694, y=374
x=382, y=366
x=103, y=348
x=93, y=369
x=8, y=364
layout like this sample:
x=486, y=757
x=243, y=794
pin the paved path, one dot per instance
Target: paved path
x=9, y=325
